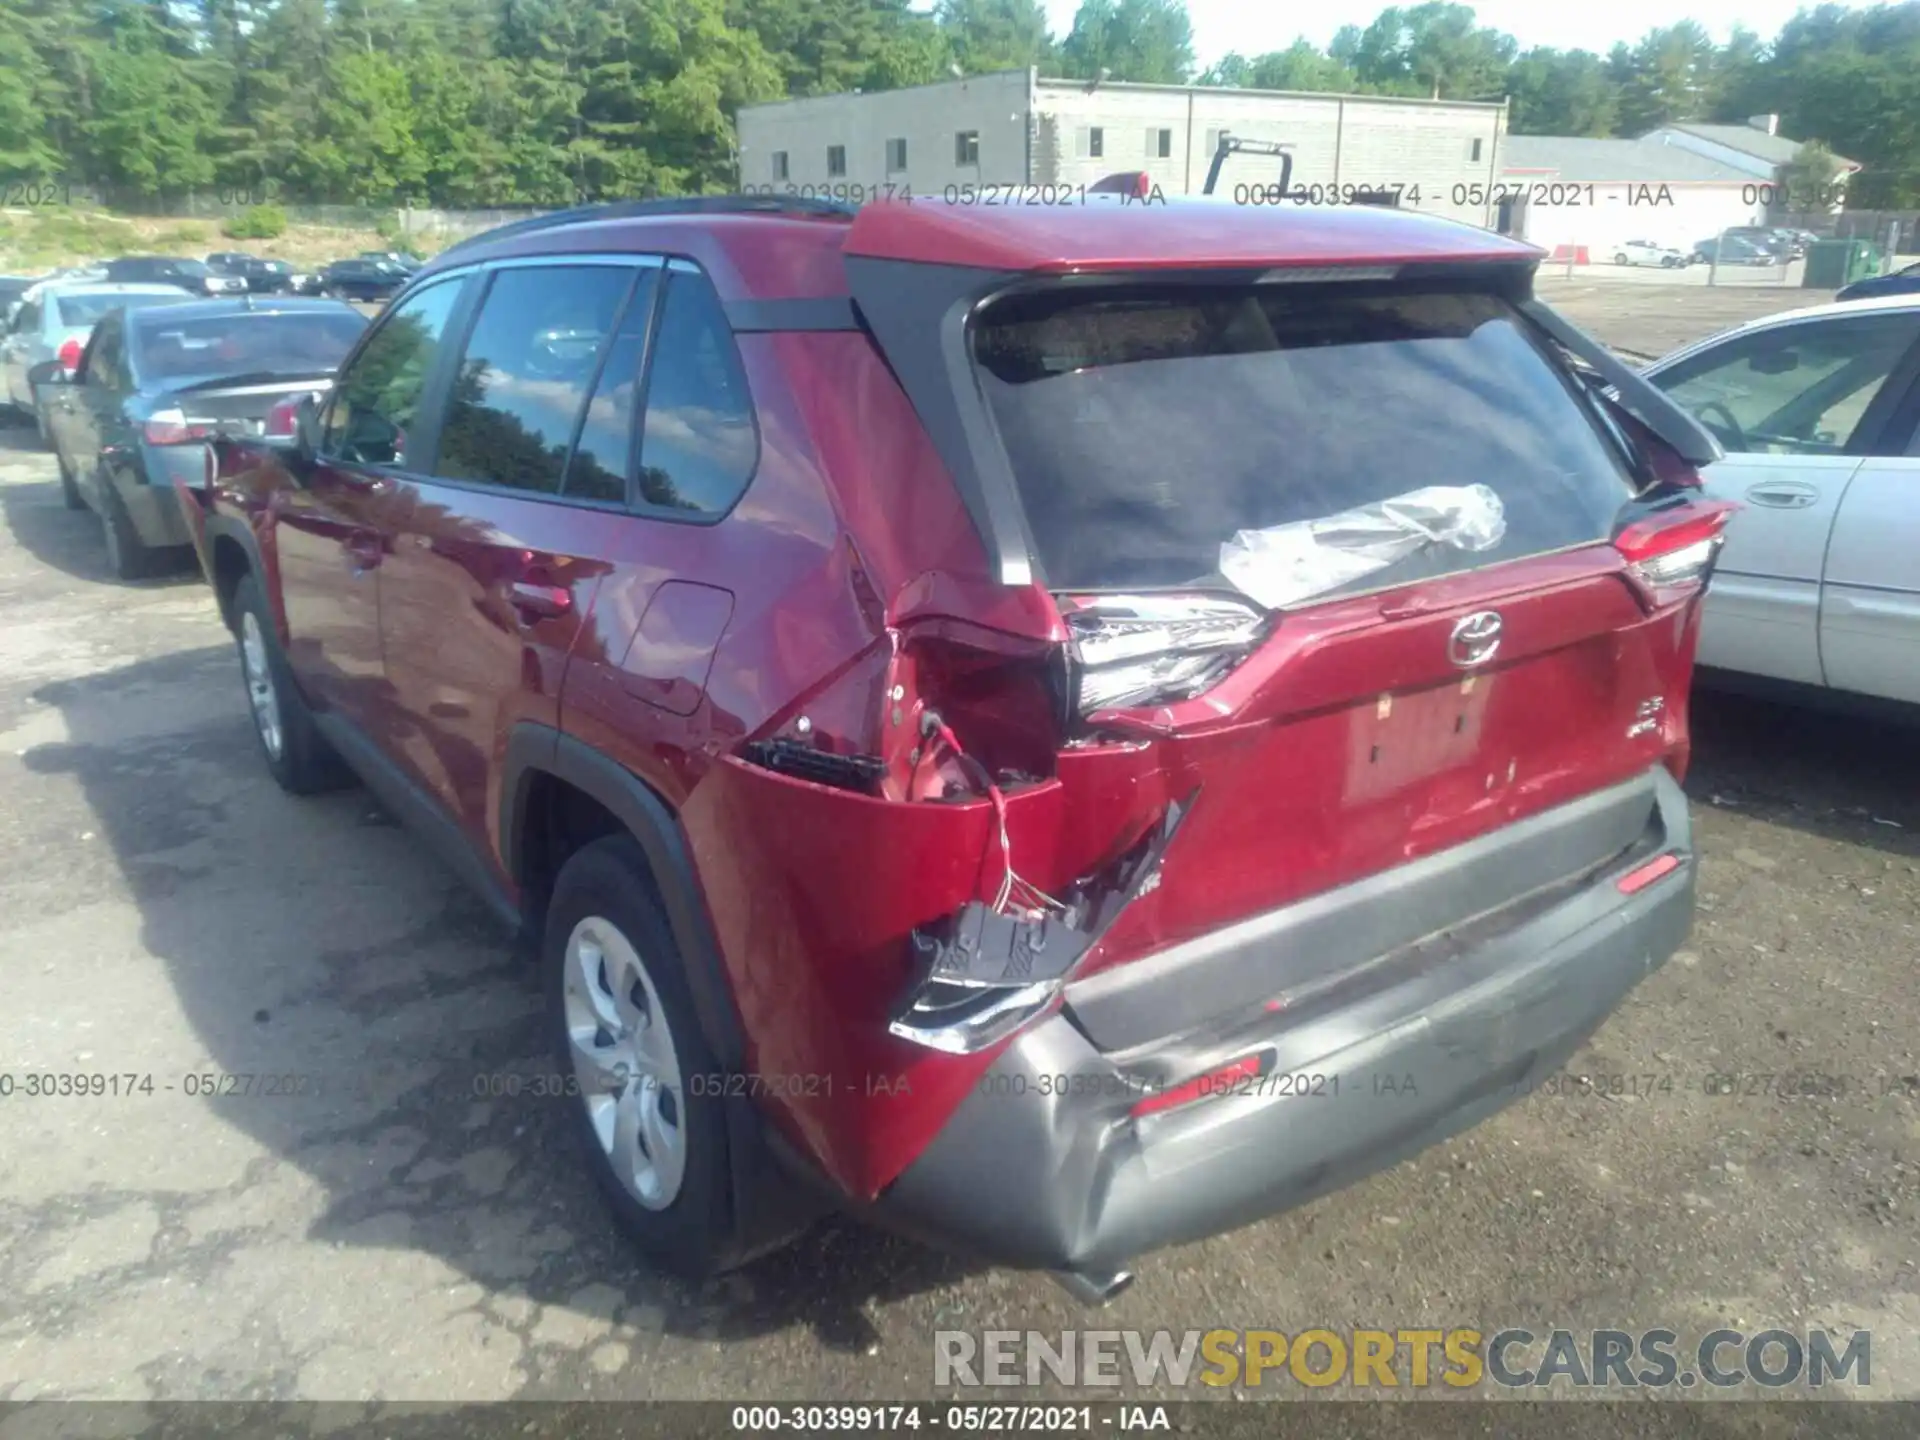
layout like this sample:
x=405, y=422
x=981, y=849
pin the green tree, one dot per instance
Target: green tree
x=988, y=35
x=1669, y=77
x=27, y=152
x=151, y=115
x=1434, y=49
x=1555, y=92
x=1145, y=41
x=1299, y=67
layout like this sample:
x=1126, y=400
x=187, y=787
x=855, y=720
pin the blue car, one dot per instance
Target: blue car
x=1899, y=282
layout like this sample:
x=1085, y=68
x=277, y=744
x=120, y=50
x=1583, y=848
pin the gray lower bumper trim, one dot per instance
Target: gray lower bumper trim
x=1045, y=1168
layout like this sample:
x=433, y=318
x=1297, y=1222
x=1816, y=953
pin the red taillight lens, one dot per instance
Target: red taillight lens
x=1203, y=1087
x=1675, y=551
x=282, y=419
x=170, y=427
x=70, y=354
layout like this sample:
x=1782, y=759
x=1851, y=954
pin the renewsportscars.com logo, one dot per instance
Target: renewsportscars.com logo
x=1456, y=1359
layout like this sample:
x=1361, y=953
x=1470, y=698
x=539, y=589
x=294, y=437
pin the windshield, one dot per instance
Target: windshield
x=285, y=344
x=1147, y=426
x=187, y=267
x=77, y=311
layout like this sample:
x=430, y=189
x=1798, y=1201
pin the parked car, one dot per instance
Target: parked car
x=860, y=708
x=399, y=259
x=156, y=385
x=1733, y=250
x=1904, y=281
x=52, y=324
x=12, y=288
x=193, y=275
x=1781, y=244
x=1650, y=252
x=263, y=277
x=1819, y=585
x=360, y=280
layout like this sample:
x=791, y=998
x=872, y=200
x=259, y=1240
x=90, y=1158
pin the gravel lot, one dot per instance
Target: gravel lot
x=165, y=910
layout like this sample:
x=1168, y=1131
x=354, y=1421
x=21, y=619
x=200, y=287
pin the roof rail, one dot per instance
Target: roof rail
x=643, y=209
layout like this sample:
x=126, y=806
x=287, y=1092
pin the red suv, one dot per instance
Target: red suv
x=1062, y=730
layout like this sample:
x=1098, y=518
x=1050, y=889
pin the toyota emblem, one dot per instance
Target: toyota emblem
x=1475, y=638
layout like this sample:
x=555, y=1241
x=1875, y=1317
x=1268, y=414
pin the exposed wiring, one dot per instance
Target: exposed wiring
x=1015, y=893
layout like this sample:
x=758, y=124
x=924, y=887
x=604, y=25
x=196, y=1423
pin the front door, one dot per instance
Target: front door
x=333, y=533
x=1790, y=403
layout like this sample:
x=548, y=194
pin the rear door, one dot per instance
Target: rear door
x=77, y=413
x=499, y=552
x=1870, y=602
x=1795, y=406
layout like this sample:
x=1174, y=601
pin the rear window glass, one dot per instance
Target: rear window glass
x=1147, y=426
x=78, y=310
x=244, y=345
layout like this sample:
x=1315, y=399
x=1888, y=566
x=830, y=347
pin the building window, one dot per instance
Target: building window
x=1162, y=144
x=779, y=164
x=896, y=156
x=836, y=159
x=966, y=147
x=1476, y=150
x=1096, y=142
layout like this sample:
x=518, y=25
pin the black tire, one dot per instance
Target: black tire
x=69, y=489
x=127, y=557
x=692, y=1234
x=1621, y=258
x=303, y=763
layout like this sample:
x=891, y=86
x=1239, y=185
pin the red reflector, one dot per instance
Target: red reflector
x=1215, y=1082
x=1648, y=873
x=70, y=355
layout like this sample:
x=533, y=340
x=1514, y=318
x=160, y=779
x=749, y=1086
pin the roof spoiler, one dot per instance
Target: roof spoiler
x=1640, y=399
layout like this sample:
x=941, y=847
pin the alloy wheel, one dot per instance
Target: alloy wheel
x=261, y=693
x=625, y=1062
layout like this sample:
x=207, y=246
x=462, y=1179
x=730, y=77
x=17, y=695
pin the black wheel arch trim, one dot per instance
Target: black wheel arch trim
x=769, y=1207
x=218, y=527
x=534, y=749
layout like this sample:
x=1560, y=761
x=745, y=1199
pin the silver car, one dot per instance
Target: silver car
x=53, y=323
x=1819, y=412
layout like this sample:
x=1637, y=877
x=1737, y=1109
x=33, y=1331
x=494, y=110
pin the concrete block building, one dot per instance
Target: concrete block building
x=1013, y=127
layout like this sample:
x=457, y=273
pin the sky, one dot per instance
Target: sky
x=1253, y=27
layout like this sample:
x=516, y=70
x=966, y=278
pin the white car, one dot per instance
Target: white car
x=53, y=321
x=1819, y=413
x=1649, y=252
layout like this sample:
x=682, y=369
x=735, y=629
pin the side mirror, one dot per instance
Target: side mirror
x=306, y=429
x=48, y=372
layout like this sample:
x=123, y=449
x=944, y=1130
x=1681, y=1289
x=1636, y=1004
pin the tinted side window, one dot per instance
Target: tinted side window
x=700, y=446
x=379, y=394
x=598, y=470
x=525, y=373
x=103, y=364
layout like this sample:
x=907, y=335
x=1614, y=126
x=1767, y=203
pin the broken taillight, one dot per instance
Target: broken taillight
x=1130, y=650
x=1671, y=553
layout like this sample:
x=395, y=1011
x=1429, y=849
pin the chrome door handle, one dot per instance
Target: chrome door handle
x=1783, y=495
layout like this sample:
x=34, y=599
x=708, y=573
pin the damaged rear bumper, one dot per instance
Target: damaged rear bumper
x=1046, y=1165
